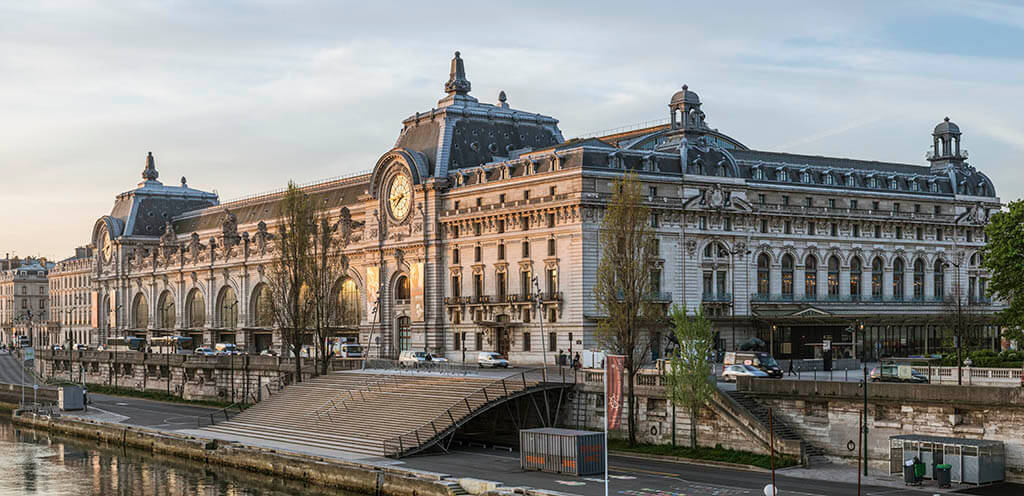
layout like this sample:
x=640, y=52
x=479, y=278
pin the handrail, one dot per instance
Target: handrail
x=395, y=445
x=383, y=381
x=238, y=405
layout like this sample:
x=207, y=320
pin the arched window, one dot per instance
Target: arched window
x=787, y=275
x=855, y=274
x=780, y=175
x=196, y=309
x=805, y=177
x=166, y=310
x=348, y=303
x=876, y=277
x=940, y=279
x=262, y=311
x=830, y=179
x=833, y=275
x=759, y=174
x=763, y=275
x=227, y=307
x=811, y=276
x=898, y=272
x=402, y=288
x=140, y=312
x=404, y=333
x=918, y=279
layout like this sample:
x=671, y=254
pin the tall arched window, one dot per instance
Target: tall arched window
x=140, y=312
x=402, y=288
x=918, y=279
x=404, y=333
x=855, y=274
x=876, y=277
x=787, y=275
x=833, y=275
x=811, y=277
x=899, y=270
x=348, y=303
x=166, y=311
x=196, y=309
x=763, y=274
x=940, y=279
x=227, y=307
x=262, y=311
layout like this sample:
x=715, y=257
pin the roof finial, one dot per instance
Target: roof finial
x=946, y=119
x=457, y=82
x=150, y=173
x=184, y=184
x=685, y=87
x=502, y=99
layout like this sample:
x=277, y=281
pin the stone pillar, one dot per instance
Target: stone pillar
x=844, y=281
x=822, y=281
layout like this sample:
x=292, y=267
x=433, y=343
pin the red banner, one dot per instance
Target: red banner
x=613, y=390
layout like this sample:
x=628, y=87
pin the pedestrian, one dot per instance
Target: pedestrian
x=576, y=362
x=791, y=366
x=561, y=358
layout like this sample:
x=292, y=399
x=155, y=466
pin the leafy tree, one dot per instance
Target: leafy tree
x=289, y=295
x=1003, y=257
x=624, y=286
x=689, y=372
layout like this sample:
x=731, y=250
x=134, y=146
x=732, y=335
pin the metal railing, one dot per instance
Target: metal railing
x=463, y=409
x=439, y=367
x=716, y=298
x=786, y=298
x=227, y=412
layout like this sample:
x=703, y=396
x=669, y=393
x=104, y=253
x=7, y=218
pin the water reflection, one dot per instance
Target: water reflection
x=36, y=462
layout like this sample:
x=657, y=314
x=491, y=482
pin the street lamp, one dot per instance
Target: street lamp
x=540, y=317
x=959, y=315
x=736, y=250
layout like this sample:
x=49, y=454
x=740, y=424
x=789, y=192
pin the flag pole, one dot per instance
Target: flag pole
x=607, y=413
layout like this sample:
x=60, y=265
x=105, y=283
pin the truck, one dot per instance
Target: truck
x=759, y=359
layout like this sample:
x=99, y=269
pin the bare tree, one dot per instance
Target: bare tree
x=624, y=286
x=288, y=298
x=325, y=268
x=689, y=372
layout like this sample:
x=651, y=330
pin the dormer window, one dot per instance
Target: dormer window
x=893, y=183
x=830, y=179
x=758, y=173
x=780, y=175
x=805, y=177
x=933, y=187
x=872, y=182
x=914, y=186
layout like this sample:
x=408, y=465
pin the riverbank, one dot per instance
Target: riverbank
x=364, y=478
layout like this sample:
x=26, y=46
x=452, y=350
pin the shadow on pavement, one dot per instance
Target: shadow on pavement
x=1003, y=489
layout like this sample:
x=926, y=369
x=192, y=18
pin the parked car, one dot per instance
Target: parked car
x=434, y=357
x=491, y=359
x=268, y=352
x=226, y=349
x=56, y=347
x=350, y=350
x=731, y=372
x=758, y=359
x=80, y=347
x=891, y=373
x=205, y=351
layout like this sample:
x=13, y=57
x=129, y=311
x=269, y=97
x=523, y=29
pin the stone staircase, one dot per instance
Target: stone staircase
x=381, y=414
x=813, y=454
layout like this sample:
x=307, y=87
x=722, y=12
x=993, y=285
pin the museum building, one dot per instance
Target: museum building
x=480, y=230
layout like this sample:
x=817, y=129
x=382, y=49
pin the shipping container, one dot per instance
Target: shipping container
x=562, y=451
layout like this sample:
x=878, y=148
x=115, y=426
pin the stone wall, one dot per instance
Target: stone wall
x=192, y=377
x=828, y=414
x=720, y=423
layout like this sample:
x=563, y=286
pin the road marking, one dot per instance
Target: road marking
x=571, y=483
x=642, y=471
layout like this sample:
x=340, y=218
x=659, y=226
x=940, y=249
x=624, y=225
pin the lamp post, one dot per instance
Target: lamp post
x=958, y=333
x=540, y=317
x=736, y=250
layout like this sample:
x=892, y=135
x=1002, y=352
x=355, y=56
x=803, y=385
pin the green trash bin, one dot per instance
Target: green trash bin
x=942, y=474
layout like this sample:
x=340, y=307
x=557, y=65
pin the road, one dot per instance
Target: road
x=142, y=412
x=642, y=477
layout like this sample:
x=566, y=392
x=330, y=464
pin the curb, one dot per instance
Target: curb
x=691, y=461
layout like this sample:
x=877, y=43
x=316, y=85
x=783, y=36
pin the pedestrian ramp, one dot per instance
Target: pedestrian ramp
x=380, y=413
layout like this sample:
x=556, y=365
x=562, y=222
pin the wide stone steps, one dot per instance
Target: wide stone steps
x=359, y=412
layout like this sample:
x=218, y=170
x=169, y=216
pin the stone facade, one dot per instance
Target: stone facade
x=70, y=292
x=479, y=231
x=24, y=300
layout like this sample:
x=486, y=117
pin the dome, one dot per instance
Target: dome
x=684, y=96
x=947, y=127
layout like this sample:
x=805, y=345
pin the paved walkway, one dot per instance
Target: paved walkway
x=141, y=412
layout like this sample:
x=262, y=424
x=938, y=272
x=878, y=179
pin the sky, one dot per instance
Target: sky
x=240, y=97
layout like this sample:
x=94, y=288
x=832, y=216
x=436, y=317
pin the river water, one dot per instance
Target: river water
x=36, y=462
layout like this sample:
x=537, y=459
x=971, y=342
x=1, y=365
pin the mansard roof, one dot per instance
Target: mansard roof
x=144, y=210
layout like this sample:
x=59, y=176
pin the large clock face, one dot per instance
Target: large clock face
x=399, y=196
x=108, y=245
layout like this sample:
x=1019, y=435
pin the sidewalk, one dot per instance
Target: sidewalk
x=839, y=472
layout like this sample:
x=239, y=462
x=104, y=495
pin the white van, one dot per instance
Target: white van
x=350, y=350
x=412, y=358
x=226, y=349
